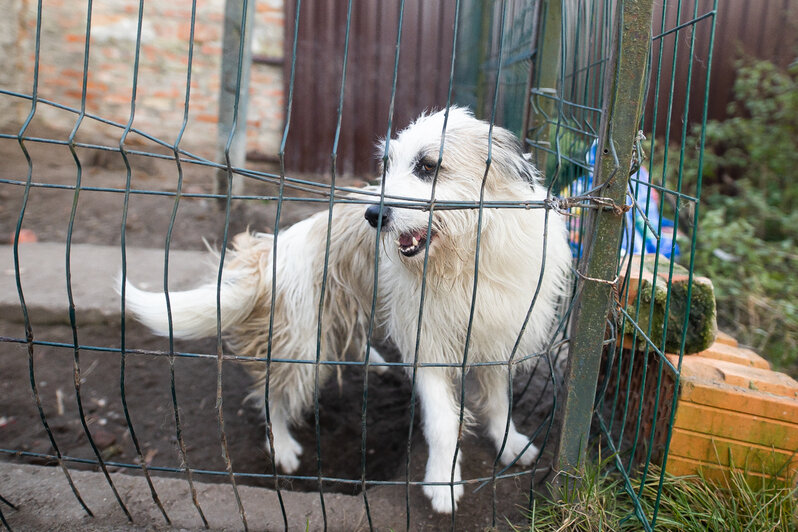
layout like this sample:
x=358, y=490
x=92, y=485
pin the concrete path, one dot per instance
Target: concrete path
x=45, y=502
x=94, y=270
x=42, y=495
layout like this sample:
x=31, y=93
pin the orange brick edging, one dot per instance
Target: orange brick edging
x=733, y=411
x=733, y=354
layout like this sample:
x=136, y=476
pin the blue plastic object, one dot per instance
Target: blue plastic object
x=637, y=236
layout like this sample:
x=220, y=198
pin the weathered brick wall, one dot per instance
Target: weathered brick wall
x=9, y=68
x=162, y=68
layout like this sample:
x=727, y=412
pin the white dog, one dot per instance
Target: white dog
x=511, y=256
x=246, y=310
x=511, y=260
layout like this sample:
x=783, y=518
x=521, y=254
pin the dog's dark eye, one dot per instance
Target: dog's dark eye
x=425, y=169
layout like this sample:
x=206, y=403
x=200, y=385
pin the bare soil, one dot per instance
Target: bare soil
x=147, y=381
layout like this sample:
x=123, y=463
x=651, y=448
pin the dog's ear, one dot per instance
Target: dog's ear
x=509, y=154
x=379, y=154
x=379, y=148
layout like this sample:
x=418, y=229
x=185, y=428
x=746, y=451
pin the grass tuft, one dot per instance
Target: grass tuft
x=598, y=501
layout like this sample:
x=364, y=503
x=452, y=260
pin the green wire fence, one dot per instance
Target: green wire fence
x=587, y=86
x=592, y=101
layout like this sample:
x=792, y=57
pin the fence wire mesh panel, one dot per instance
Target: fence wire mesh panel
x=648, y=327
x=372, y=342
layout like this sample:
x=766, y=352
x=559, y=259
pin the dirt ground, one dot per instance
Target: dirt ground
x=99, y=213
x=147, y=378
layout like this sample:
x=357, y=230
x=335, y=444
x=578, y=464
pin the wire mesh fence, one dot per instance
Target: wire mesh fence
x=553, y=71
x=636, y=396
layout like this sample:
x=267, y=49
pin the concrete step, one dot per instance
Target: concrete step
x=93, y=271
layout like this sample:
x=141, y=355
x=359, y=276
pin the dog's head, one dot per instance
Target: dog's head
x=417, y=172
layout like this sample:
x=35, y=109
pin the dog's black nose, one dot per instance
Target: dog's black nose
x=373, y=215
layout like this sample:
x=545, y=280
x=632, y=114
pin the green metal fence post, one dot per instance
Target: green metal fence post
x=547, y=65
x=622, y=109
x=227, y=93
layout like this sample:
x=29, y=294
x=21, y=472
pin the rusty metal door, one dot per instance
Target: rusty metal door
x=421, y=83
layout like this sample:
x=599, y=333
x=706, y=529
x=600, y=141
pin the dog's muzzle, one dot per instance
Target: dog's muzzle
x=373, y=216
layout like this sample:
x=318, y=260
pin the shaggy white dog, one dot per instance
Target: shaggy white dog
x=246, y=311
x=511, y=280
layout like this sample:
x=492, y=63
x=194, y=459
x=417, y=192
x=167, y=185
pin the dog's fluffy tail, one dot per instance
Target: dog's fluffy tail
x=194, y=312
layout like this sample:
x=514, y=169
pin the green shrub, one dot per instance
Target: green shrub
x=758, y=142
x=753, y=273
x=748, y=226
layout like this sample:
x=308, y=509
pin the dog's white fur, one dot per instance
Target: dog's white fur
x=246, y=308
x=511, y=256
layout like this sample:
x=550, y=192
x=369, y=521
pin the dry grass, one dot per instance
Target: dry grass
x=598, y=501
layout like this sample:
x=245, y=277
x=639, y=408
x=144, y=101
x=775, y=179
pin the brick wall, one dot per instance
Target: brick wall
x=9, y=71
x=162, y=68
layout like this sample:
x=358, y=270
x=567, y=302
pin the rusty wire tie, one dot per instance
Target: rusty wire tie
x=586, y=201
x=613, y=283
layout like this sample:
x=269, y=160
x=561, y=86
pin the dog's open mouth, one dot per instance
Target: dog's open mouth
x=413, y=242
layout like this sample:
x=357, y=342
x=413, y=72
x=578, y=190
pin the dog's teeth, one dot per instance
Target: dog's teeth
x=398, y=243
x=415, y=241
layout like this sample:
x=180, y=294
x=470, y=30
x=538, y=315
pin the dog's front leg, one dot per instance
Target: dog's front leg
x=440, y=422
x=286, y=449
x=495, y=406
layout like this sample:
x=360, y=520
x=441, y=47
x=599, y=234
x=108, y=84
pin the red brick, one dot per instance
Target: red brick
x=207, y=118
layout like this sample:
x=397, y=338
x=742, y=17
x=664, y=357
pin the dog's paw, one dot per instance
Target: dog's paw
x=286, y=454
x=517, y=444
x=440, y=497
x=440, y=494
